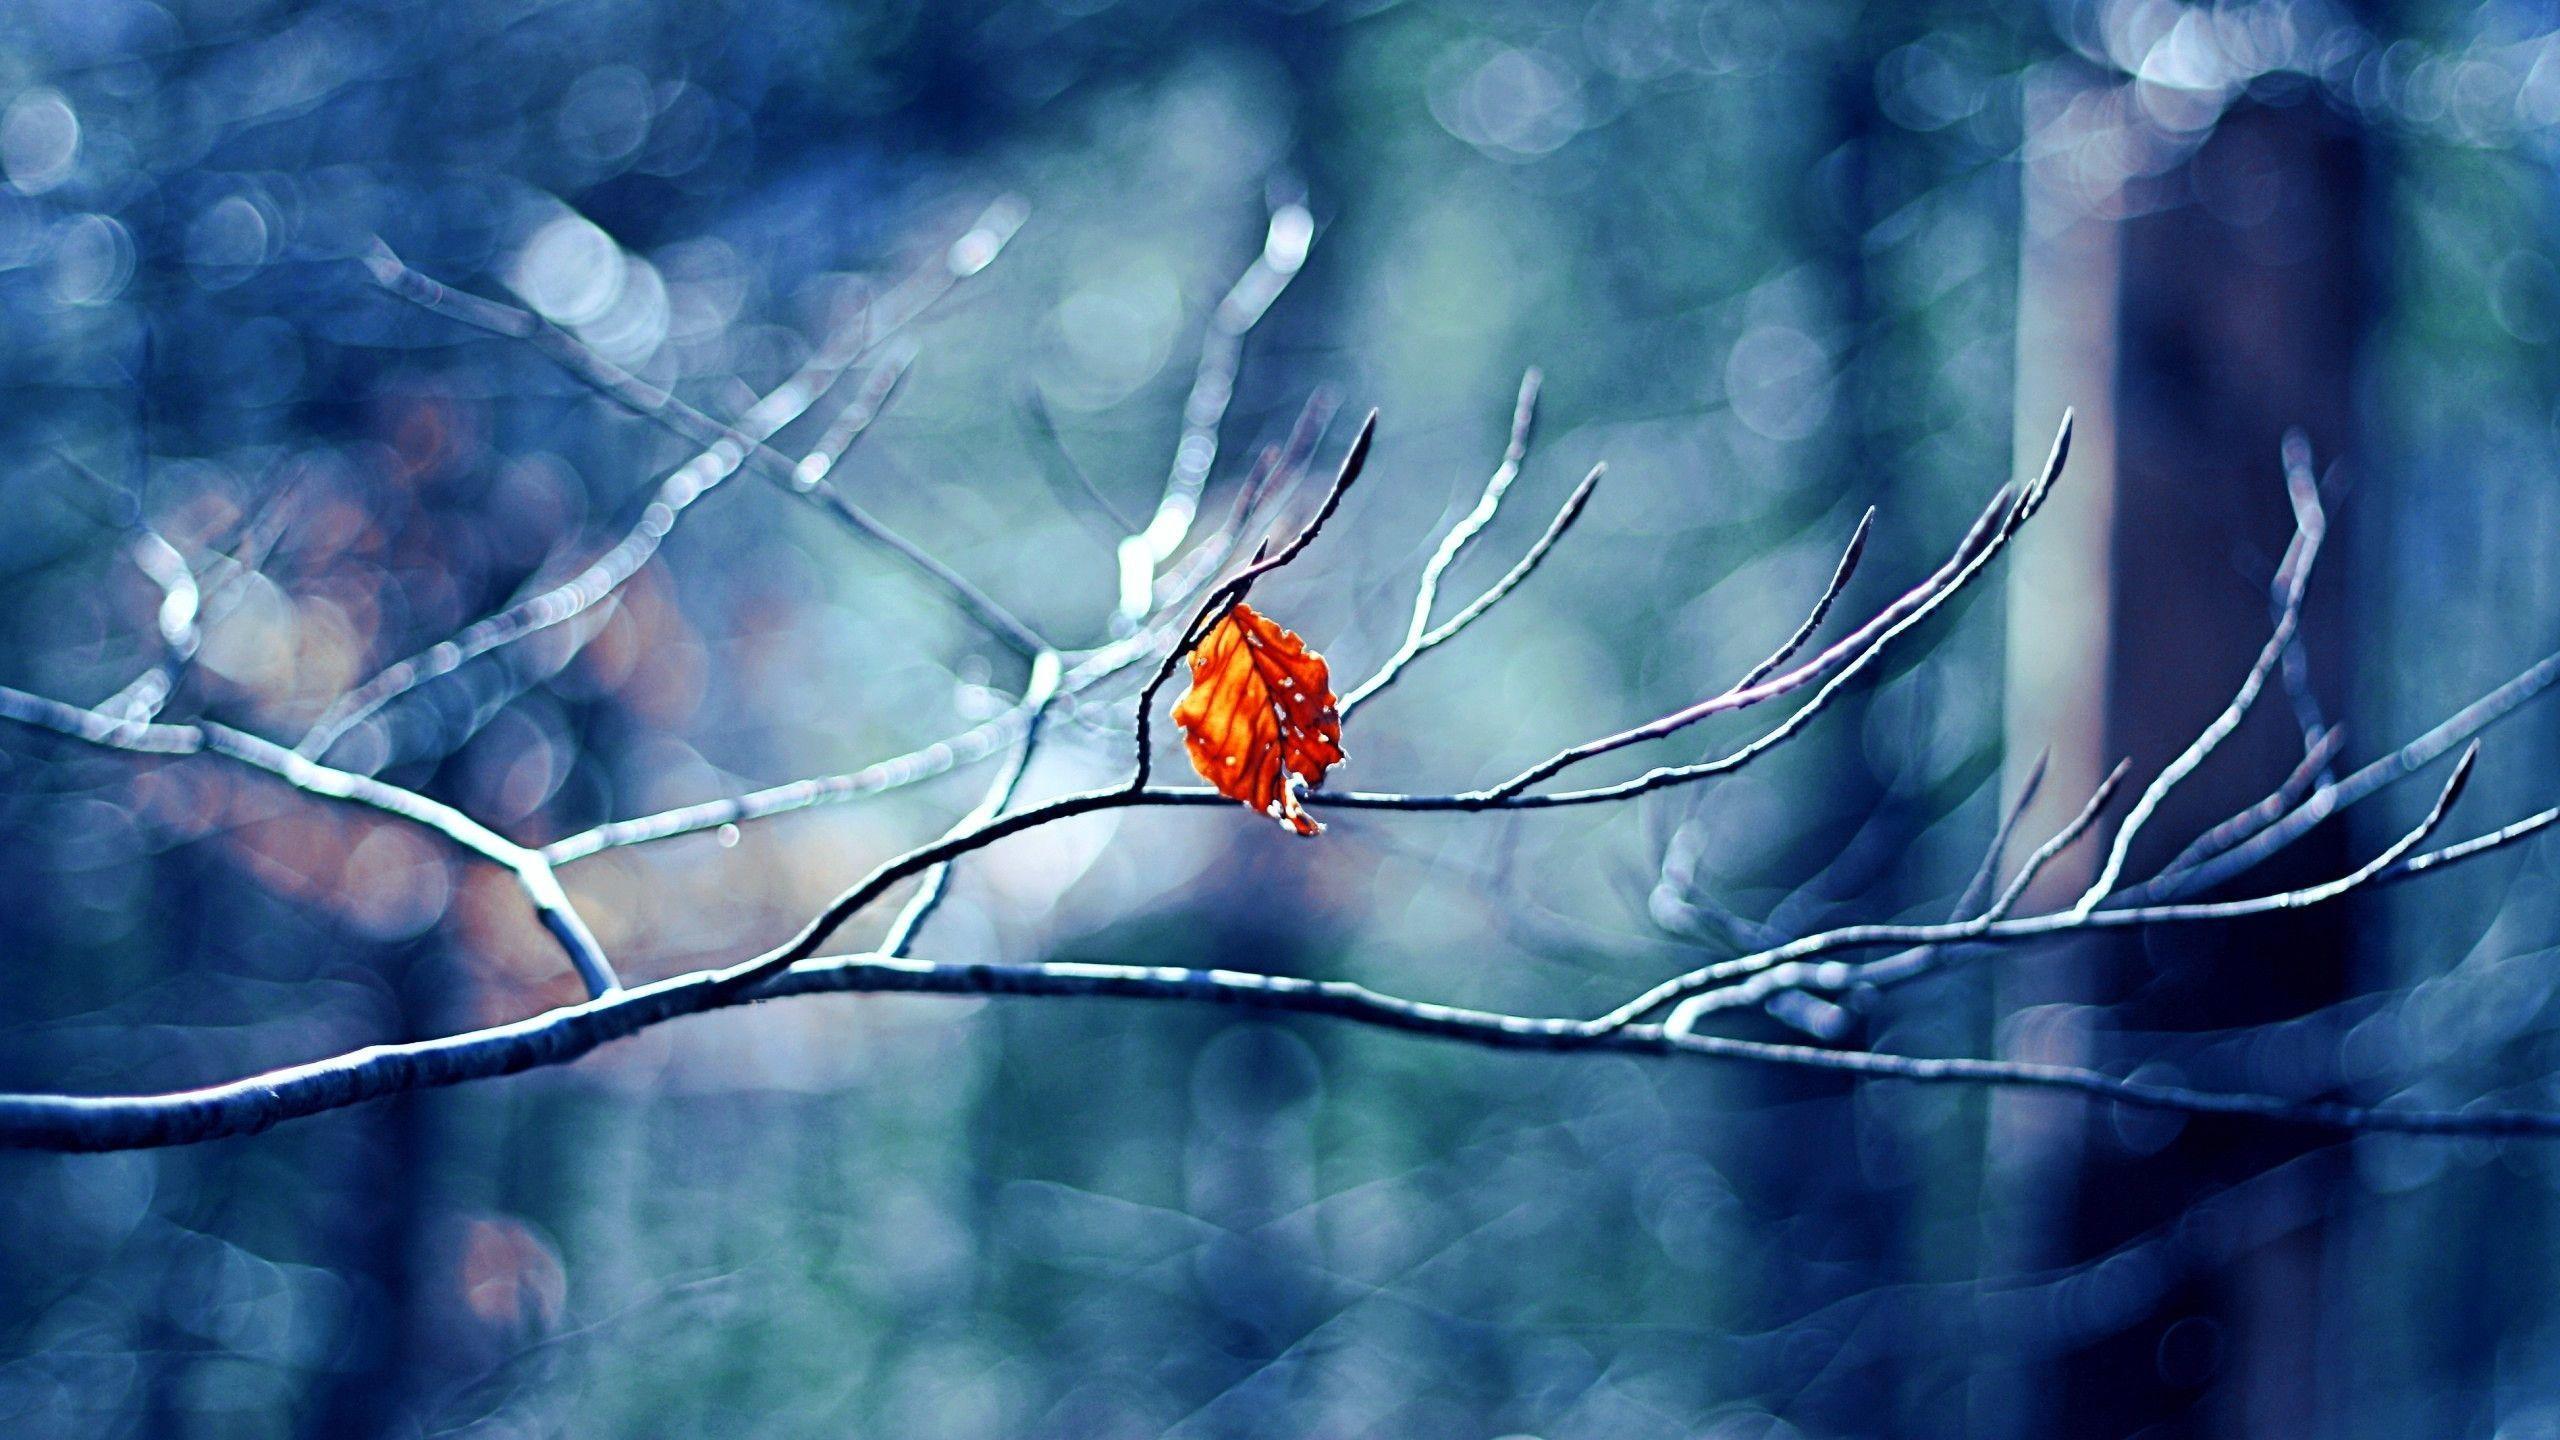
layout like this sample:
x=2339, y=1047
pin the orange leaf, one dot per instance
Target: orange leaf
x=1259, y=718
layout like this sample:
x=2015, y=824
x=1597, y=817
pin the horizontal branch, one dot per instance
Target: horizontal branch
x=979, y=742
x=72, y=1122
x=1158, y=630
x=2240, y=842
x=59, y=1122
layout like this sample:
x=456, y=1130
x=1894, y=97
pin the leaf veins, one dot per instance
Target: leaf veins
x=1259, y=718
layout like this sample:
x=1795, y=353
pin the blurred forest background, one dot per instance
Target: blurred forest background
x=1778, y=262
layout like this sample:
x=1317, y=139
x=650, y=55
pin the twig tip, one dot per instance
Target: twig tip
x=2460, y=778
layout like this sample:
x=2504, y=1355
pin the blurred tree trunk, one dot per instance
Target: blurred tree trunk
x=2239, y=301
x=383, y=1221
x=2242, y=311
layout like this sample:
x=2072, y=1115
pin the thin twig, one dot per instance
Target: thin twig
x=2305, y=775
x=1272, y=478
x=2062, y=839
x=1913, y=964
x=970, y=746
x=2295, y=672
x=2497, y=839
x=1978, y=889
x=1234, y=589
x=855, y=419
x=1421, y=636
x=2358, y=785
x=1284, y=250
x=1045, y=675
x=1992, y=928
x=1991, y=533
x=1821, y=611
x=2310, y=526
x=608, y=572
x=1928, y=959
x=1426, y=592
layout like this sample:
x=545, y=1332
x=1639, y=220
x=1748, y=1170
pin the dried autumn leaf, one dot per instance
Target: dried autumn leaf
x=1259, y=718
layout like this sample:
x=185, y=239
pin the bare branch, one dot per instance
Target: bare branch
x=941, y=757
x=1978, y=889
x=1045, y=675
x=1991, y=927
x=1155, y=619
x=1821, y=611
x=2310, y=526
x=558, y=1037
x=531, y=871
x=1991, y=533
x=855, y=419
x=2295, y=672
x=2327, y=800
x=1447, y=630
x=675, y=415
x=2497, y=839
x=62, y=1122
x=1284, y=249
x=71, y=1122
x=970, y=746
x=1426, y=593
x=1928, y=959
x=607, y=573
x=1273, y=476
x=2305, y=774
x=2063, y=839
